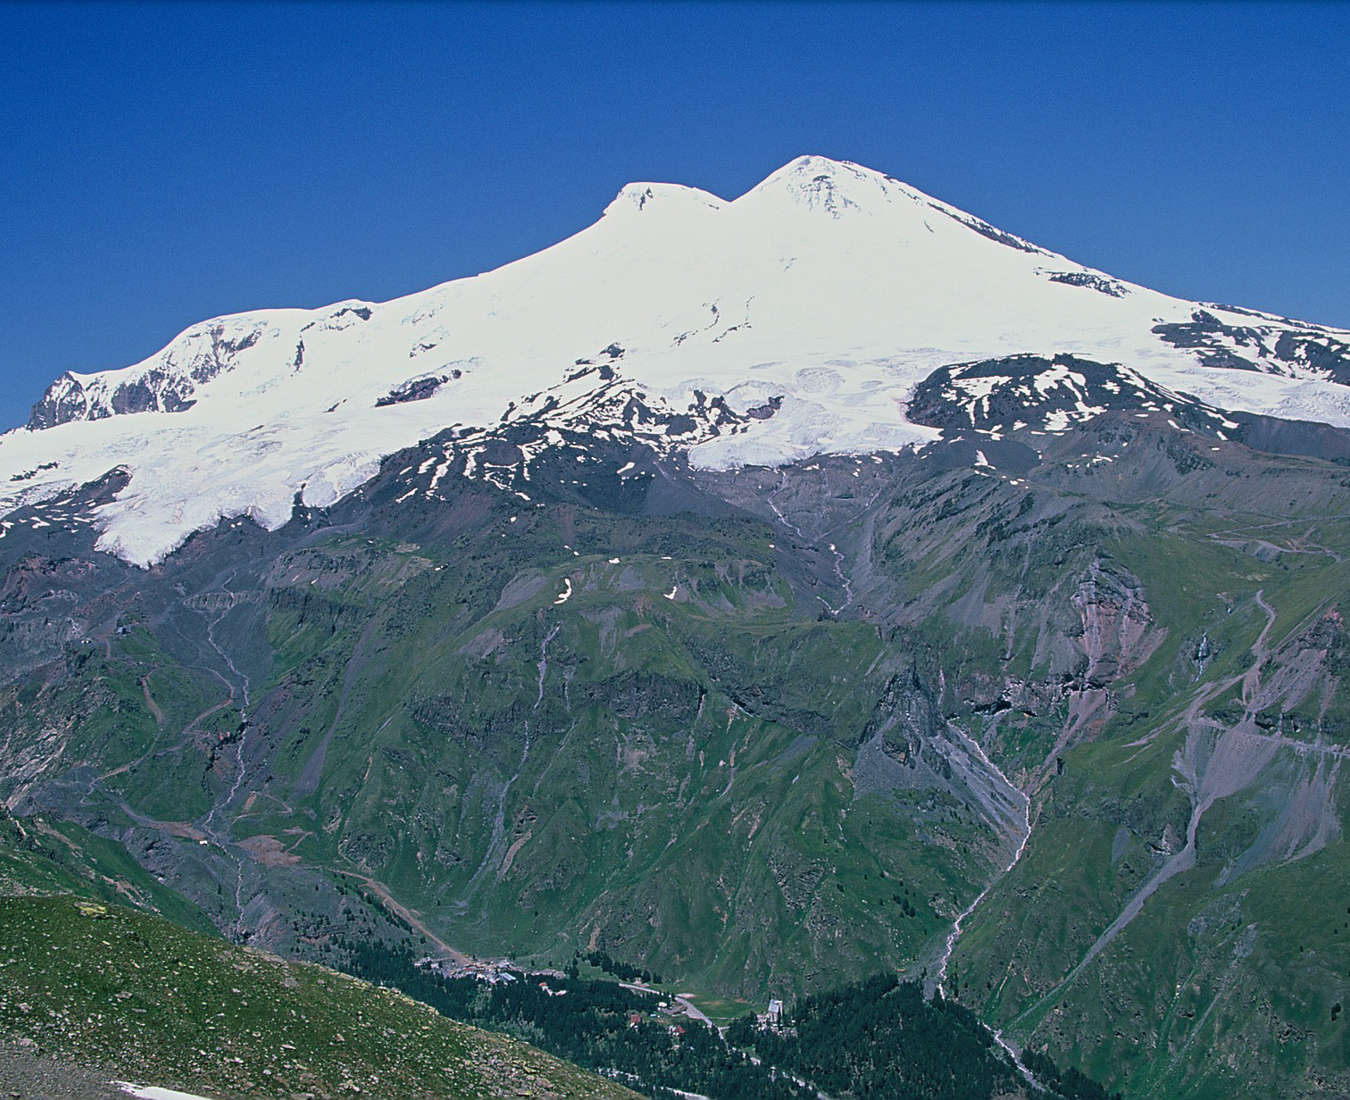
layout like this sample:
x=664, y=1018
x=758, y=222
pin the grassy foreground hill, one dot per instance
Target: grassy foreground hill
x=39, y=855
x=105, y=985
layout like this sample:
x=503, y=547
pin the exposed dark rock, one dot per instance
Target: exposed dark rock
x=1093, y=282
x=1263, y=347
x=166, y=387
x=763, y=412
x=1029, y=391
x=984, y=229
x=417, y=389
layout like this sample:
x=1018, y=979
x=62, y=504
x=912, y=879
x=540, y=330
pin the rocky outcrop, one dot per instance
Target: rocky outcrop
x=1270, y=348
x=167, y=385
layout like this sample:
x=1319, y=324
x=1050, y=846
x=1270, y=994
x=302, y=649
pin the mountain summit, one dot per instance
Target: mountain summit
x=823, y=297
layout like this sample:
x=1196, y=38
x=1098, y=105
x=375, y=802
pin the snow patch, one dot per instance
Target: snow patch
x=154, y=1092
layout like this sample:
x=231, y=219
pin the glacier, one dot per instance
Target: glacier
x=812, y=306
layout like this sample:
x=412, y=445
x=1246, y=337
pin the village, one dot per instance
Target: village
x=669, y=1008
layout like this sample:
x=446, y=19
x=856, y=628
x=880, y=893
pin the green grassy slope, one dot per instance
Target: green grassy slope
x=126, y=989
x=679, y=774
x=40, y=856
x=1212, y=969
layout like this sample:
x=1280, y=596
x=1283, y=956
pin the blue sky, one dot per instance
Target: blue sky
x=161, y=164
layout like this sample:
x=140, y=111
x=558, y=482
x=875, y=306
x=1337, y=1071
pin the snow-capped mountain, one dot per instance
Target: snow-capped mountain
x=797, y=319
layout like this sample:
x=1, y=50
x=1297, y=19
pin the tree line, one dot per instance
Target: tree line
x=878, y=1039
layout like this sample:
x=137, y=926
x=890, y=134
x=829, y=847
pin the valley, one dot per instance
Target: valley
x=620, y=754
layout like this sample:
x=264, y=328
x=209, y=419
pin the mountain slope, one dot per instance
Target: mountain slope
x=116, y=987
x=821, y=297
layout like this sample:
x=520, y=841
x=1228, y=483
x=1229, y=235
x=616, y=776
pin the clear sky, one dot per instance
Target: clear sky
x=162, y=164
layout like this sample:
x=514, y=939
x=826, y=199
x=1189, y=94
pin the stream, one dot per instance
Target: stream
x=954, y=935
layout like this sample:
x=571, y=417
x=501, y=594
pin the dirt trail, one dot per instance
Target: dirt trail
x=1251, y=679
x=150, y=702
x=183, y=829
x=50, y=1076
x=195, y=725
x=408, y=915
x=159, y=725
